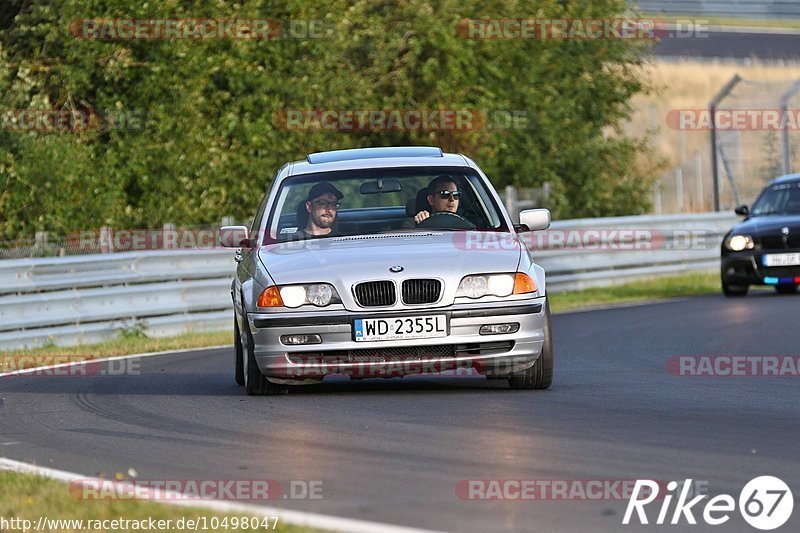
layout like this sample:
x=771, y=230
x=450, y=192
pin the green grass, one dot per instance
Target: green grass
x=125, y=344
x=727, y=21
x=691, y=284
x=30, y=497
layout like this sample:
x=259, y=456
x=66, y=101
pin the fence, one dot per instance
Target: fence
x=85, y=299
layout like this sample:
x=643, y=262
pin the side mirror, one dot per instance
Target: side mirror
x=535, y=219
x=521, y=228
x=742, y=210
x=234, y=237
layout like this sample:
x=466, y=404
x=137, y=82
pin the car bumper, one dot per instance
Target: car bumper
x=747, y=268
x=464, y=348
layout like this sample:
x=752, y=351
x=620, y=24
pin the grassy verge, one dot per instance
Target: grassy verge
x=127, y=344
x=728, y=21
x=692, y=284
x=29, y=497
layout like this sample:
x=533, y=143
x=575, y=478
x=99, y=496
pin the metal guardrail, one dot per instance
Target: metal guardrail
x=644, y=246
x=766, y=9
x=85, y=299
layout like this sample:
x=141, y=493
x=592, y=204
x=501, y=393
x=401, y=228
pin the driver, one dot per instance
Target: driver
x=443, y=195
x=321, y=205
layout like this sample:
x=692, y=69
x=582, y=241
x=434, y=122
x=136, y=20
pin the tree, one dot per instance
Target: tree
x=211, y=137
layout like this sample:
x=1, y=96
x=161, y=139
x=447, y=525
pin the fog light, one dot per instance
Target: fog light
x=291, y=340
x=499, y=329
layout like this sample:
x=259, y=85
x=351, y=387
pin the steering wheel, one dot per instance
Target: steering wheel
x=446, y=220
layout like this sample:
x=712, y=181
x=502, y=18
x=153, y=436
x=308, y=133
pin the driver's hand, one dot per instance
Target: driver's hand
x=422, y=215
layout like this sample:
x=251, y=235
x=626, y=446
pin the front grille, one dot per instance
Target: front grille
x=375, y=294
x=410, y=353
x=421, y=291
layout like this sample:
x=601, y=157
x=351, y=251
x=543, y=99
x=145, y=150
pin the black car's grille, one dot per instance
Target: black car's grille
x=775, y=242
x=375, y=294
x=421, y=291
x=782, y=272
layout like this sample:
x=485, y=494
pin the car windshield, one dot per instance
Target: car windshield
x=371, y=201
x=779, y=199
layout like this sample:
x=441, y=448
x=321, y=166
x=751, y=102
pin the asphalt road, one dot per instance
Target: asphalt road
x=732, y=45
x=394, y=450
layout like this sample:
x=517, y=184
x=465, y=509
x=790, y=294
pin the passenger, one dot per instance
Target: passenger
x=321, y=205
x=443, y=195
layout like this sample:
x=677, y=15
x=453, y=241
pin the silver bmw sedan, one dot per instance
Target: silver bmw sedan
x=387, y=262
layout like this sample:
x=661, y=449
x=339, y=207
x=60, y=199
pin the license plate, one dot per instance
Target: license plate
x=400, y=328
x=781, y=260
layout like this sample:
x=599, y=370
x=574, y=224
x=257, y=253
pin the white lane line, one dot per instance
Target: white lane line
x=298, y=518
x=94, y=361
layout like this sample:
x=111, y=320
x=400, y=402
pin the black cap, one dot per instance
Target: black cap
x=323, y=188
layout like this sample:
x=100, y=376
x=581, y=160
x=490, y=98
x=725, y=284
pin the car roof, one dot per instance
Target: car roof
x=788, y=178
x=383, y=157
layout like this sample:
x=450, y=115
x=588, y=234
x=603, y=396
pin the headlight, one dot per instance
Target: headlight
x=317, y=294
x=320, y=294
x=501, y=285
x=737, y=243
x=293, y=295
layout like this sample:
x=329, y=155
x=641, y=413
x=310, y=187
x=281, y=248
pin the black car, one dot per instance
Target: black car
x=764, y=249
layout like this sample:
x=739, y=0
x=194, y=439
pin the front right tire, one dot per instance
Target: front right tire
x=540, y=375
x=256, y=383
x=238, y=354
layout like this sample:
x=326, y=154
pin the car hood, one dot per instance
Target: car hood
x=768, y=225
x=344, y=261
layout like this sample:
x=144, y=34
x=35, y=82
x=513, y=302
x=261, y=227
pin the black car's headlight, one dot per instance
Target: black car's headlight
x=737, y=243
x=316, y=294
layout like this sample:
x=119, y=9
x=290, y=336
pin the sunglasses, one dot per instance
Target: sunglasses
x=326, y=204
x=446, y=195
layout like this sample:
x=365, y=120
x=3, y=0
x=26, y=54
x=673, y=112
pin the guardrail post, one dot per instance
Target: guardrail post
x=169, y=235
x=106, y=240
x=511, y=202
x=40, y=240
x=657, y=197
x=698, y=176
x=712, y=107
